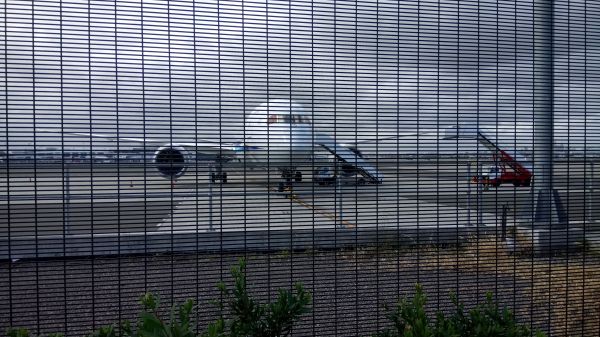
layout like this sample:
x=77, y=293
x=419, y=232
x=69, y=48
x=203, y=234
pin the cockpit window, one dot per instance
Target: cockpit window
x=291, y=119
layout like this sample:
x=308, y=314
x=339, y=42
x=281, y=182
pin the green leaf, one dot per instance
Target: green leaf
x=17, y=332
x=105, y=331
x=149, y=302
x=251, y=318
x=409, y=319
x=126, y=329
x=216, y=329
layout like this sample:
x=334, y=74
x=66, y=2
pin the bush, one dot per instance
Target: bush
x=409, y=319
x=25, y=333
x=249, y=318
x=149, y=323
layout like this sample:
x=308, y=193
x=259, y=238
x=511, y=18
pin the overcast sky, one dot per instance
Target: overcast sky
x=365, y=69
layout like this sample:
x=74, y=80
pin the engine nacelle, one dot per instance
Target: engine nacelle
x=171, y=160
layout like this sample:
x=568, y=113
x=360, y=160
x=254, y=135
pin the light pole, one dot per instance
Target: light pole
x=548, y=208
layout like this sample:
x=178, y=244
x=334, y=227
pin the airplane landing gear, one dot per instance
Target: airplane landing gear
x=218, y=176
x=282, y=186
x=288, y=177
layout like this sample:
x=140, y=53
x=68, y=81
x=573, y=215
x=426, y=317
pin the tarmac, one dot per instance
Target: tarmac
x=79, y=210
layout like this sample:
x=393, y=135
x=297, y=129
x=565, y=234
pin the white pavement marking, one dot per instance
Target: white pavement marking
x=275, y=211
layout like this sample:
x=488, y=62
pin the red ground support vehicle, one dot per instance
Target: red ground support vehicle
x=506, y=171
x=509, y=169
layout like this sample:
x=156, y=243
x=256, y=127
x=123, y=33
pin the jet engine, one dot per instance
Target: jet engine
x=171, y=160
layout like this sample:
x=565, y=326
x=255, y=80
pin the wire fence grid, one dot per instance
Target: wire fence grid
x=358, y=147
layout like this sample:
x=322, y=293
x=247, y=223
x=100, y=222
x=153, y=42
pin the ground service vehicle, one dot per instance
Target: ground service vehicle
x=325, y=176
x=506, y=170
x=510, y=166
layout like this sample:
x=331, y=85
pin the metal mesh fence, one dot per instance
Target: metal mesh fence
x=358, y=147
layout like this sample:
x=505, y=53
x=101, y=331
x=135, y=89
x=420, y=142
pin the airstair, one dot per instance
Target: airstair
x=515, y=167
x=348, y=156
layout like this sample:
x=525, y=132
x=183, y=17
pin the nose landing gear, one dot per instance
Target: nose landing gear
x=287, y=178
x=218, y=176
x=283, y=186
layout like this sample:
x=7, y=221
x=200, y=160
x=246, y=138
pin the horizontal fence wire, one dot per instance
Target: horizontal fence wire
x=357, y=147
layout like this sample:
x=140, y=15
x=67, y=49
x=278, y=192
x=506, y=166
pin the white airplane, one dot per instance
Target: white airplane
x=279, y=133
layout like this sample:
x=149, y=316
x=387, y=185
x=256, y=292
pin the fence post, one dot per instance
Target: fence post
x=469, y=193
x=67, y=199
x=504, y=215
x=338, y=194
x=210, y=197
x=591, y=198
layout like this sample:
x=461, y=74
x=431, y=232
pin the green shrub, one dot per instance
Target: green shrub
x=250, y=318
x=21, y=332
x=410, y=319
x=150, y=324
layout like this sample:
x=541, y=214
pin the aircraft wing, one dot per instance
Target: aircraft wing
x=397, y=136
x=203, y=146
x=344, y=153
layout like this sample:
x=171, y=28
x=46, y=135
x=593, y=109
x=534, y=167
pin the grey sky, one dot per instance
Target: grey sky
x=365, y=69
